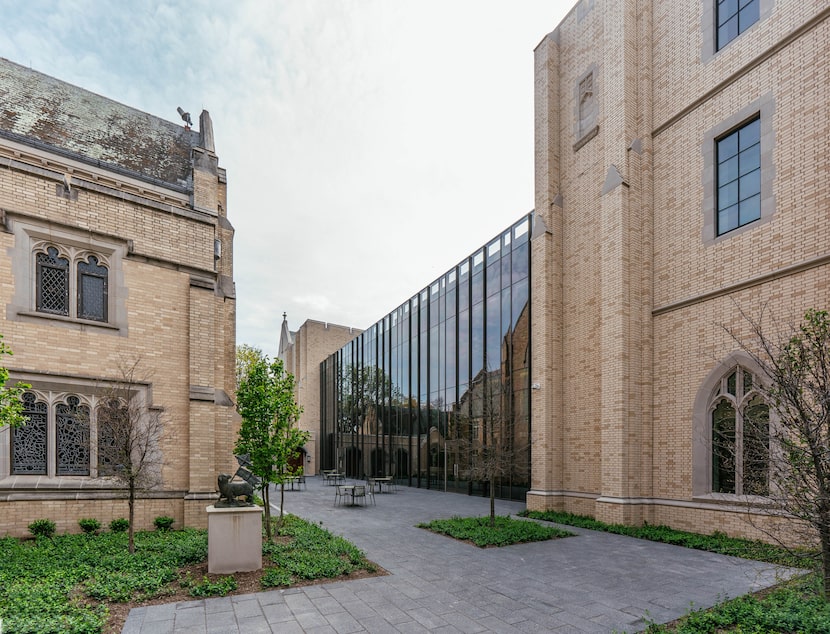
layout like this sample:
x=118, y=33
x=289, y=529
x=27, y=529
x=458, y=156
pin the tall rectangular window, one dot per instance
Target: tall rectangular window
x=734, y=17
x=92, y=290
x=739, y=177
x=52, y=283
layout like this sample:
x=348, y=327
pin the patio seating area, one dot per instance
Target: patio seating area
x=332, y=477
x=380, y=482
x=355, y=494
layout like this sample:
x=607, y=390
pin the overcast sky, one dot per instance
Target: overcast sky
x=370, y=145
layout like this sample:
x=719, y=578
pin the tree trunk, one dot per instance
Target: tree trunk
x=492, y=501
x=825, y=561
x=282, y=503
x=131, y=503
x=266, y=499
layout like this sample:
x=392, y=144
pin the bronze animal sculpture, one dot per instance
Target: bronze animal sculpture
x=229, y=492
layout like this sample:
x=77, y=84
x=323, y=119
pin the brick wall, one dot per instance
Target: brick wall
x=174, y=310
x=629, y=296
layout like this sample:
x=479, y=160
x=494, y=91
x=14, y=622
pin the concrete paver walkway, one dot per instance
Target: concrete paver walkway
x=594, y=582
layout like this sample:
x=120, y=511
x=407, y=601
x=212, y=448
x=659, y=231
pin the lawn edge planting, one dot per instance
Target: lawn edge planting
x=87, y=583
x=506, y=532
x=795, y=605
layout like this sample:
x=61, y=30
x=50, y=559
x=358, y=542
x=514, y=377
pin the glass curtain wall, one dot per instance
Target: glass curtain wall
x=436, y=394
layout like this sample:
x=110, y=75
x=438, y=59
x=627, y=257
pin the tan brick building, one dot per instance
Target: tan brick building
x=681, y=175
x=680, y=179
x=114, y=245
x=302, y=351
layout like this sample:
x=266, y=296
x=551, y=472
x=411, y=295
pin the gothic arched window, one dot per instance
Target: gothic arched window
x=92, y=290
x=72, y=437
x=29, y=440
x=52, y=283
x=84, y=295
x=740, y=434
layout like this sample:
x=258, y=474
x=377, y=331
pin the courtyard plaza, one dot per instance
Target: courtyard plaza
x=592, y=582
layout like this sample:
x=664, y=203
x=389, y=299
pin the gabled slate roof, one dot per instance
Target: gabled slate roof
x=42, y=111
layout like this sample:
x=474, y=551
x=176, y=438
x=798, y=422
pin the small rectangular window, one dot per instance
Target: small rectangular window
x=739, y=177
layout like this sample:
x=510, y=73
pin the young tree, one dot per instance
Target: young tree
x=129, y=435
x=491, y=448
x=265, y=400
x=11, y=405
x=246, y=356
x=796, y=385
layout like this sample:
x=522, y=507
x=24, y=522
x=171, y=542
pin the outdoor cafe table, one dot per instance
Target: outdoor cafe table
x=380, y=481
x=332, y=477
x=349, y=489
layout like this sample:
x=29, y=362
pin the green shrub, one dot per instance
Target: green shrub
x=717, y=542
x=163, y=522
x=42, y=528
x=275, y=577
x=311, y=553
x=69, y=582
x=506, y=531
x=89, y=525
x=119, y=525
x=218, y=588
x=795, y=606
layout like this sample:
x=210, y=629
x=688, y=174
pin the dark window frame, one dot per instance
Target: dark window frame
x=52, y=292
x=732, y=18
x=93, y=308
x=89, y=286
x=747, y=179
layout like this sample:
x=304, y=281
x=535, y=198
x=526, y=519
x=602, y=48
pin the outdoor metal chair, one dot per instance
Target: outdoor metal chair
x=339, y=494
x=359, y=491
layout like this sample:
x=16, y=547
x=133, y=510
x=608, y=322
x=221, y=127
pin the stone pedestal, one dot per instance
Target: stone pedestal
x=234, y=539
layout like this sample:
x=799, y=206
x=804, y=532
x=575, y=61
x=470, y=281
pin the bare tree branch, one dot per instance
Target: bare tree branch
x=795, y=364
x=129, y=436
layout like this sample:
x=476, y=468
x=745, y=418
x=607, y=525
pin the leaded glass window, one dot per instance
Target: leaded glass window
x=52, y=283
x=71, y=283
x=72, y=437
x=756, y=447
x=723, y=448
x=29, y=441
x=740, y=437
x=112, y=419
x=92, y=290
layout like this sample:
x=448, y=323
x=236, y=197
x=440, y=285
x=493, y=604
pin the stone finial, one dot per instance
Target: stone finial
x=206, y=131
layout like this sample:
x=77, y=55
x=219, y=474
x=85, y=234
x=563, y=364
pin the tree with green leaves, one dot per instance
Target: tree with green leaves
x=11, y=405
x=268, y=433
x=246, y=356
x=795, y=366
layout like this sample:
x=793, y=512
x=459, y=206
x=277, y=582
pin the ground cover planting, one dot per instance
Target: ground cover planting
x=87, y=583
x=505, y=532
x=792, y=606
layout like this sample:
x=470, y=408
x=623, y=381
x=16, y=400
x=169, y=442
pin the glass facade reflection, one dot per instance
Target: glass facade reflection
x=436, y=393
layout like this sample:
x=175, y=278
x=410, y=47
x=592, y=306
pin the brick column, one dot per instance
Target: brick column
x=546, y=290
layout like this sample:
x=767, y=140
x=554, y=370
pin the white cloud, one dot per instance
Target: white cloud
x=370, y=144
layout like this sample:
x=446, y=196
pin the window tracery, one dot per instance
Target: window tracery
x=72, y=437
x=55, y=285
x=740, y=435
x=29, y=442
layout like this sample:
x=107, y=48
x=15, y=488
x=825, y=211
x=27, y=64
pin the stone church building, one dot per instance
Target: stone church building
x=115, y=247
